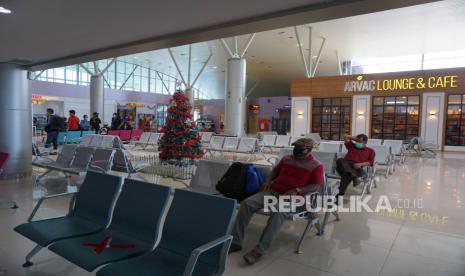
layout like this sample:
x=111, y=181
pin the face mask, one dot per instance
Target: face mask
x=299, y=151
x=359, y=145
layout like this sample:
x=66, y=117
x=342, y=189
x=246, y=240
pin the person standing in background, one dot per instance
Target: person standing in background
x=95, y=122
x=84, y=124
x=115, y=122
x=52, y=129
x=73, y=121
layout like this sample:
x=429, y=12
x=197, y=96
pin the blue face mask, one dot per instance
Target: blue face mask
x=359, y=145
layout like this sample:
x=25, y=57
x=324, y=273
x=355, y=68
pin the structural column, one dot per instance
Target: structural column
x=190, y=93
x=96, y=95
x=16, y=124
x=235, y=95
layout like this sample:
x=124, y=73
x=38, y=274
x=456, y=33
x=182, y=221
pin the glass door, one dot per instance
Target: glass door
x=455, y=122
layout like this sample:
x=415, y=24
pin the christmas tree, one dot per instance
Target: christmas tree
x=180, y=141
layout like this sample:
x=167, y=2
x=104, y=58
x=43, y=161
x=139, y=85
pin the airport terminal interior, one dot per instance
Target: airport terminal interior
x=297, y=137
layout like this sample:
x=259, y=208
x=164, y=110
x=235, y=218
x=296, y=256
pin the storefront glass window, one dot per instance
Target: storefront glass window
x=395, y=117
x=331, y=117
x=455, y=123
x=161, y=114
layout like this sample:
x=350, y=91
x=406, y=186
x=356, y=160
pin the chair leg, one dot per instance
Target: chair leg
x=323, y=225
x=39, y=177
x=310, y=223
x=31, y=254
x=336, y=215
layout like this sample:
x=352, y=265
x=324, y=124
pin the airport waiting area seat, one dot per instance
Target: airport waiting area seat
x=147, y=139
x=135, y=223
x=89, y=212
x=107, y=224
x=232, y=145
x=205, y=137
x=209, y=172
x=195, y=240
x=70, y=160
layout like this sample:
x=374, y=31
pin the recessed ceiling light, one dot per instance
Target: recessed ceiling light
x=182, y=54
x=280, y=33
x=4, y=10
x=252, y=56
x=290, y=37
x=214, y=67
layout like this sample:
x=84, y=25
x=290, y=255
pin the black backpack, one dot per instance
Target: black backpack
x=234, y=181
x=60, y=123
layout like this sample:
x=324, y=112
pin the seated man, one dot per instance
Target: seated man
x=358, y=155
x=296, y=174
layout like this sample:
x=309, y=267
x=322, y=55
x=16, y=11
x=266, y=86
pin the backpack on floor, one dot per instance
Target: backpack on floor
x=233, y=183
x=254, y=180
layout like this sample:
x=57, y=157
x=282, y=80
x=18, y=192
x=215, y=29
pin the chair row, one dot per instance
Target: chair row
x=209, y=172
x=205, y=137
x=384, y=154
x=101, y=141
x=127, y=135
x=78, y=159
x=148, y=139
x=328, y=159
x=282, y=141
x=74, y=159
x=70, y=137
x=232, y=144
x=118, y=224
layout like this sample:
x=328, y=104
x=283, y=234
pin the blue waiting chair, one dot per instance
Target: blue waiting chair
x=88, y=132
x=134, y=228
x=195, y=240
x=61, y=138
x=89, y=213
x=73, y=137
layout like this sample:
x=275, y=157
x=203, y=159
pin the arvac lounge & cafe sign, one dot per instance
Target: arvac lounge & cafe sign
x=395, y=84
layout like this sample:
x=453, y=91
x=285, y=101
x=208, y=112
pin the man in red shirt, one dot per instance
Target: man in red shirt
x=358, y=156
x=296, y=174
x=73, y=121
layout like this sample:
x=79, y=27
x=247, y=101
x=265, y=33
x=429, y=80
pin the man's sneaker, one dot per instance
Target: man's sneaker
x=234, y=248
x=252, y=257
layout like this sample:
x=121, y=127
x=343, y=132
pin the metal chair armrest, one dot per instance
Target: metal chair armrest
x=42, y=199
x=226, y=240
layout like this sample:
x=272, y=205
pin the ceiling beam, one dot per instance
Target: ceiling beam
x=292, y=17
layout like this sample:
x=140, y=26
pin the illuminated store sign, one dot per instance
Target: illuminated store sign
x=414, y=83
x=37, y=97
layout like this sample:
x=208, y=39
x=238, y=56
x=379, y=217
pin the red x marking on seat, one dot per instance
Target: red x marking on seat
x=99, y=247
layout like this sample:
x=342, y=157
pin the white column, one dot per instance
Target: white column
x=432, y=117
x=361, y=115
x=97, y=96
x=235, y=95
x=16, y=115
x=301, y=115
x=190, y=93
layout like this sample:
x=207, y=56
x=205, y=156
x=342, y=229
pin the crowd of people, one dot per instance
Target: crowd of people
x=56, y=123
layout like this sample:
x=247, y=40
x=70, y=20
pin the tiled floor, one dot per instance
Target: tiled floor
x=426, y=241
